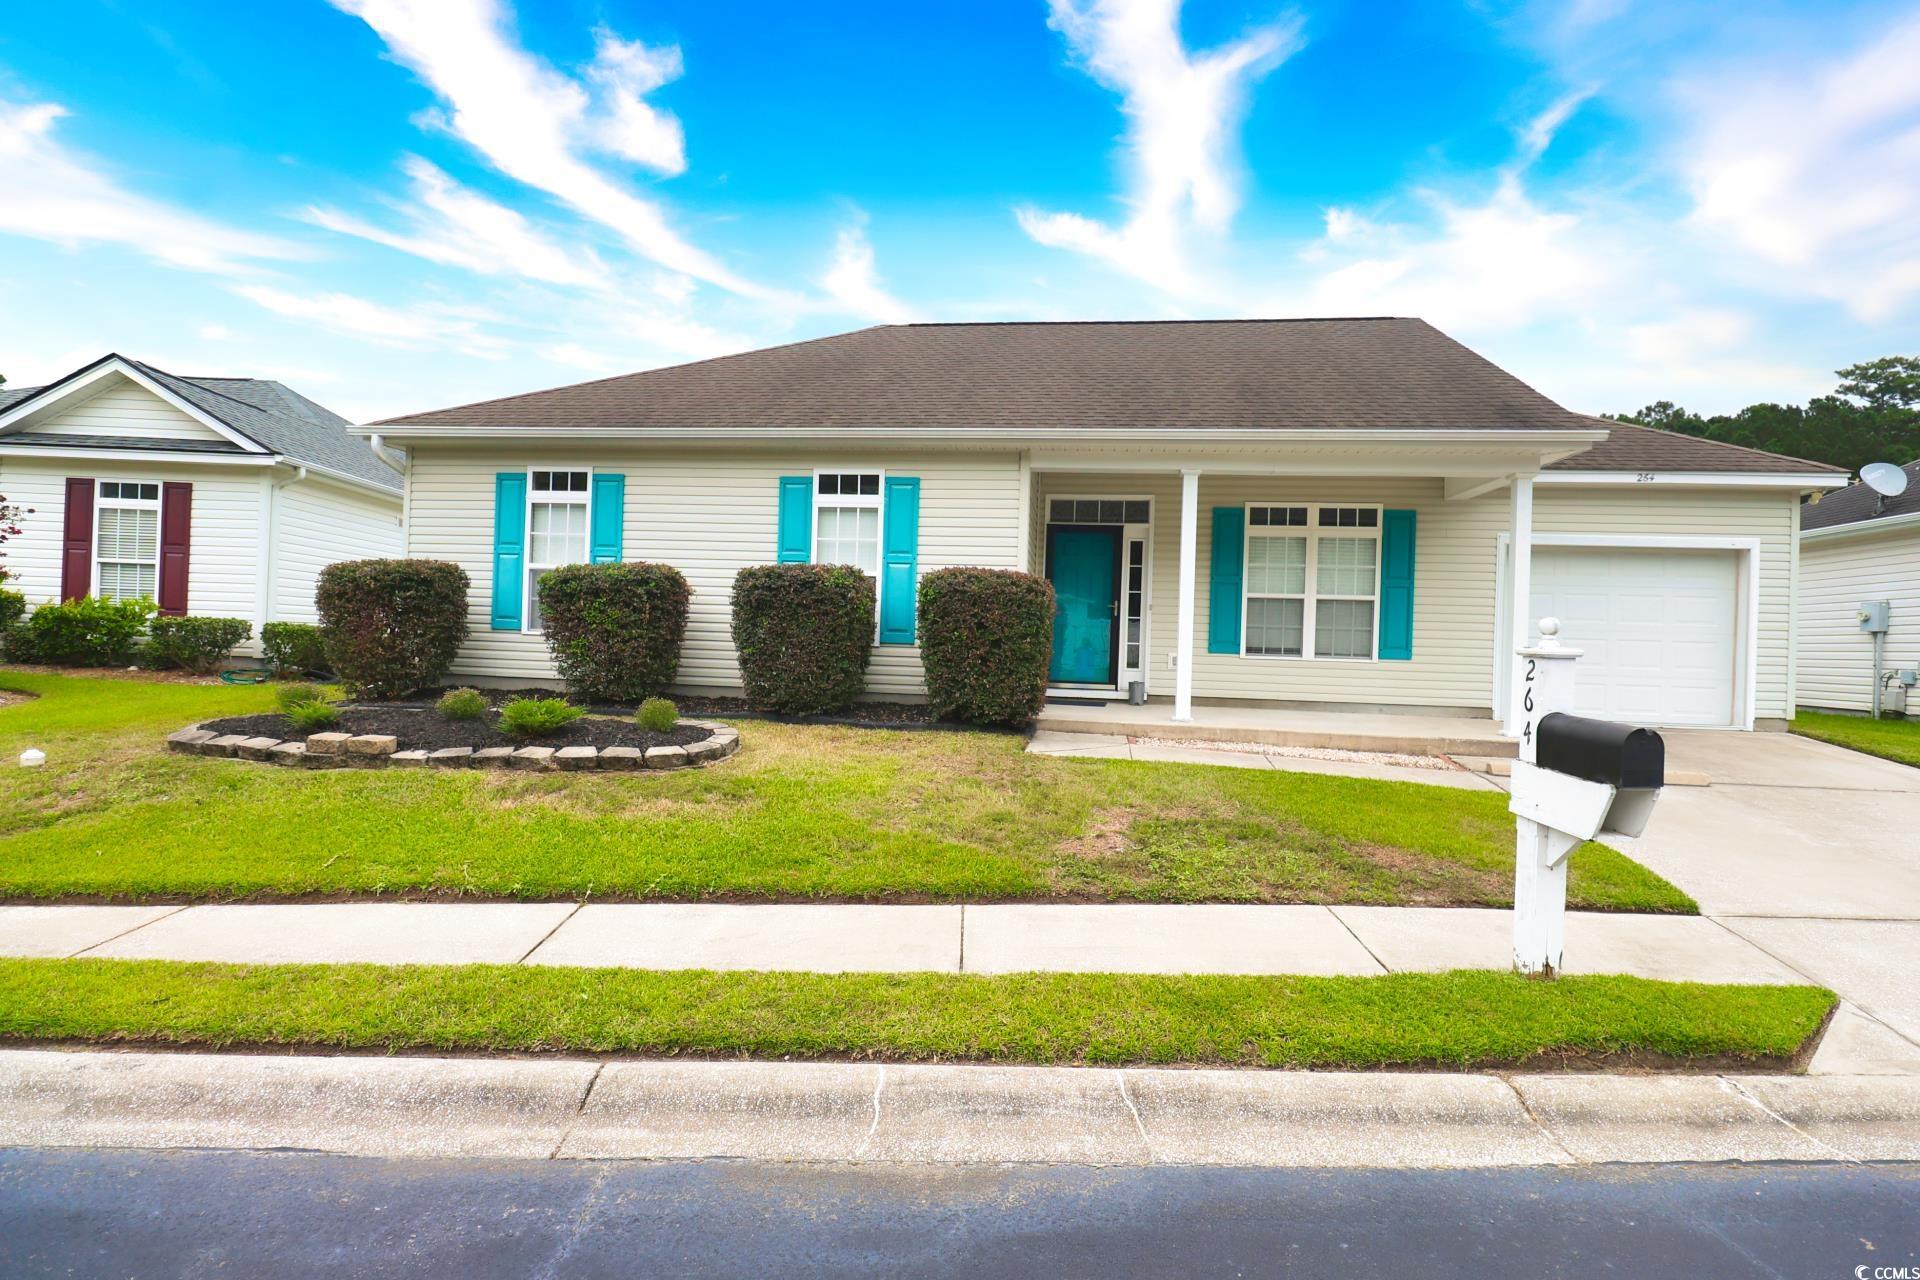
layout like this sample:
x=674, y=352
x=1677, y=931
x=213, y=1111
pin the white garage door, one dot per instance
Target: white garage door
x=1658, y=629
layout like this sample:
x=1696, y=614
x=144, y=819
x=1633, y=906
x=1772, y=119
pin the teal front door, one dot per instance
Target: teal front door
x=1083, y=563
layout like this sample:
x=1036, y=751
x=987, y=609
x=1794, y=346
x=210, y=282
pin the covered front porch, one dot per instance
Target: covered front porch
x=1236, y=593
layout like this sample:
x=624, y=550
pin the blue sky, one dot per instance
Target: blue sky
x=404, y=204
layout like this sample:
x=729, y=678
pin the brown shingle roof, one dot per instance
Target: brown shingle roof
x=1280, y=375
x=1636, y=448
x=1857, y=504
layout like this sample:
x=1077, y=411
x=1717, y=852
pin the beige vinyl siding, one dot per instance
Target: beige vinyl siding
x=1837, y=575
x=1770, y=515
x=709, y=513
x=223, y=576
x=122, y=407
x=1453, y=591
x=317, y=523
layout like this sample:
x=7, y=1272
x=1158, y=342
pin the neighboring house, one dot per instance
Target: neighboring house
x=1854, y=548
x=1295, y=512
x=213, y=496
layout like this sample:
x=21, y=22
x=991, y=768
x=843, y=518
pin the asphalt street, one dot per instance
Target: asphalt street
x=202, y=1213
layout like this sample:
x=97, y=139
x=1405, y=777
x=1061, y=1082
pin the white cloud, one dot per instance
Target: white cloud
x=853, y=282
x=457, y=227
x=1181, y=110
x=58, y=195
x=1815, y=169
x=532, y=123
x=343, y=313
x=625, y=71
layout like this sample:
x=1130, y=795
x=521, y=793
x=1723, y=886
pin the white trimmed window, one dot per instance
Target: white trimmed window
x=557, y=511
x=1312, y=575
x=846, y=519
x=126, y=540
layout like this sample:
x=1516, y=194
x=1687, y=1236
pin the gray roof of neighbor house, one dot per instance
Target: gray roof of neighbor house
x=275, y=417
x=1855, y=504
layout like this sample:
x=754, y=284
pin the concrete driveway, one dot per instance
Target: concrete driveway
x=1809, y=851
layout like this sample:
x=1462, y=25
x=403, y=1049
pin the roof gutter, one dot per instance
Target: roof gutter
x=1698, y=479
x=1125, y=435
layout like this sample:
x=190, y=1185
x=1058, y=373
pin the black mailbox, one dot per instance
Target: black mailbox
x=1601, y=751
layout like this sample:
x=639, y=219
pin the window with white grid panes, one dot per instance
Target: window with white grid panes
x=846, y=519
x=1311, y=578
x=557, y=521
x=126, y=540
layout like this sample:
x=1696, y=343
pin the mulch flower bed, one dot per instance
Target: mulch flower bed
x=421, y=730
x=870, y=715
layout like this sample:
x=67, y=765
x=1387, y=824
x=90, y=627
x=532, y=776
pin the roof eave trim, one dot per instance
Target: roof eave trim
x=396, y=491
x=116, y=363
x=1714, y=479
x=1871, y=524
x=1131, y=435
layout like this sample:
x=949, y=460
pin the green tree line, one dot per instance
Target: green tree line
x=1872, y=416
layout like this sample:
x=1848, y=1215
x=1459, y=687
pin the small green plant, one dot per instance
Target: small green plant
x=293, y=648
x=309, y=716
x=657, y=715
x=537, y=717
x=289, y=696
x=87, y=632
x=462, y=704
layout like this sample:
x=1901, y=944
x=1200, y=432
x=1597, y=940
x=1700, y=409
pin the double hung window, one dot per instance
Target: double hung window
x=126, y=540
x=556, y=529
x=1312, y=578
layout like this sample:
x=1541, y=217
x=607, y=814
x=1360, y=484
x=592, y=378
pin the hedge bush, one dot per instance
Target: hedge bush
x=657, y=715
x=197, y=644
x=13, y=607
x=986, y=639
x=293, y=648
x=88, y=632
x=391, y=626
x=537, y=717
x=462, y=704
x=804, y=633
x=615, y=629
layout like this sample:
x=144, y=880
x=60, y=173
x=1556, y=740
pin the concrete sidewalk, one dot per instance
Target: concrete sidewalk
x=1010, y=938
x=574, y=1109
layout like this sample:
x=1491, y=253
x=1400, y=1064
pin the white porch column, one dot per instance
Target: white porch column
x=1520, y=583
x=1189, y=563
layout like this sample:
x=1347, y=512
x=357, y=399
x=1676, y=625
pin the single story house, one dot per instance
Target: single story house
x=1857, y=547
x=1331, y=513
x=212, y=496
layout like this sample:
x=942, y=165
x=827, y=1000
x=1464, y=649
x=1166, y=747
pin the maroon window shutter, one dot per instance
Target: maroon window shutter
x=176, y=541
x=76, y=542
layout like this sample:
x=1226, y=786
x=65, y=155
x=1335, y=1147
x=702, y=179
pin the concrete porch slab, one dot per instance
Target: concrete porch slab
x=346, y=933
x=1343, y=730
x=1674, y=948
x=67, y=931
x=836, y=939
x=1162, y=939
x=1245, y=755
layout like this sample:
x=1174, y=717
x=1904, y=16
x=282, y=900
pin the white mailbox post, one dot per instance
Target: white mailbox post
x=1540, y=852
x=1575, y=778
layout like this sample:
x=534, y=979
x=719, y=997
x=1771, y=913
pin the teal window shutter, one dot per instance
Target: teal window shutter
x=796, y=520
x=609, y=515
x=1224, y=579
x=1396, y=583
x=899, y=560
x=509, y=548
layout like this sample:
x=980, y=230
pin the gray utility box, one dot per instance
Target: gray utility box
x=1874, y=614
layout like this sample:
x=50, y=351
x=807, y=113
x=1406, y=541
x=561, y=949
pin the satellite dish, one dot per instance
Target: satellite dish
x=1884, y=479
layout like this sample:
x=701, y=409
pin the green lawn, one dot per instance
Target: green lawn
x=801, y=813
x=1893, y=739
x=1462, y=1019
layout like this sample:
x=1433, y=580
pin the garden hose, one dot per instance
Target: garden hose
x=247, y=675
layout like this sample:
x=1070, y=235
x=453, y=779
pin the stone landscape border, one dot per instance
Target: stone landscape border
x=379, y=751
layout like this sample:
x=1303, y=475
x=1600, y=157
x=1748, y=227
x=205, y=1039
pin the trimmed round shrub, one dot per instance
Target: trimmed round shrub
x=293, y=648
x=537, y=717
x=986, y=639
x=391, y=626
x=309, y=717
x=87, y=632
x=462, y=704
x=615, y=629
x=804, y=633
x=198, y=645
x=657, y=715
x=289, y=696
